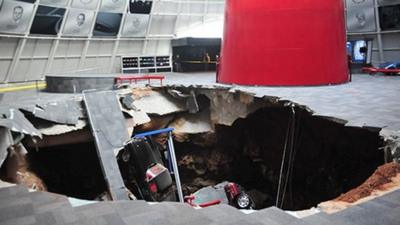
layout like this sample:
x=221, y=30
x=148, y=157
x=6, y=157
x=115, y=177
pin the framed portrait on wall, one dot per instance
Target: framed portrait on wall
x=15, y=16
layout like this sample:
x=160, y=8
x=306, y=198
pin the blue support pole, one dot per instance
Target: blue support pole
x=171, y=154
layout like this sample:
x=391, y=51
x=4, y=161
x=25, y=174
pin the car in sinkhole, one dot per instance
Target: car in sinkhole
x=223, y=193
x=144, y=172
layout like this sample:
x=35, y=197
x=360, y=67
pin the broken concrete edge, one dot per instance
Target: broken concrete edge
x=226, y=106
x=392, y=144
x=16, y=121
x=391, y=138
x=54, y=129
x=6, y=141
x=235, y=102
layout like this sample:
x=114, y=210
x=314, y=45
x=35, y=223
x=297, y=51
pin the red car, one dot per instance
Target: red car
x=225, y=193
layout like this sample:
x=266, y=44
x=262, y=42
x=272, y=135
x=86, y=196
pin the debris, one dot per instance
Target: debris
x=73, y=137
x=18, y=172
x=138, y=117
x=51, y=129
x=127, y=102
x=110, y=133
x=64, y=112
x=227, y=107
x=194, y=163
x=392, y=145
x=191, y=103
x=193, y=123
x=157, y=103
x=14, y=120
x=156, y=123
x=6, y=141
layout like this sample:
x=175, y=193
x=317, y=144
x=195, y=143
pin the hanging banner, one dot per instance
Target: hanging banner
x=15, y=16
x=361, y=20
x=61, y=3
x=79, y=23
x=113, y=6
x=85, y=4
x=135, y=25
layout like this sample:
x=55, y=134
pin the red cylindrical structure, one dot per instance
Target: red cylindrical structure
x=284, y=43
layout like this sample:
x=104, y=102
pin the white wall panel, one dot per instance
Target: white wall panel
x=186, y=22
x=96, y=65
x=36, y=69
x=151, y=48
x=116, y=67
x=132, y=48
x=8, y=47
x=57, y=67
x=29, y=48
x=71, y=64
x=21, y=71
x=391, y=41
x=216, y=8
x=62, y=48
x=43, y=48
x=392, y=55
x=162, y=25
x=4, y=66
x=164, y=47
x=166, y=7
x=100, y=48
x=74, y=48
x=192, y=8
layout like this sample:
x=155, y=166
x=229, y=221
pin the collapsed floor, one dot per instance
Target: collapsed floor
x=223, y=136
x=327, y=158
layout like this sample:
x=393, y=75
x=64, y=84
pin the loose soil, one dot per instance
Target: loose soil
x=382, y=176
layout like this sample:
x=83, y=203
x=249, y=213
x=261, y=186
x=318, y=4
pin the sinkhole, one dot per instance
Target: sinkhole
x=278, y=152
x=291, y=160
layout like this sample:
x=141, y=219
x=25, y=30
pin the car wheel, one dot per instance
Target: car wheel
x=125, y=156
x=243, y=201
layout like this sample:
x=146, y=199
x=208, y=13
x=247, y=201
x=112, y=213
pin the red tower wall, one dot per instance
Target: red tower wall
x=284, y=43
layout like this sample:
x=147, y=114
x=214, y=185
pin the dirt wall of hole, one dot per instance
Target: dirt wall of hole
x=329, y=159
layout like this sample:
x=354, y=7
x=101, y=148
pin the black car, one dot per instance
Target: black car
x=143, y=169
